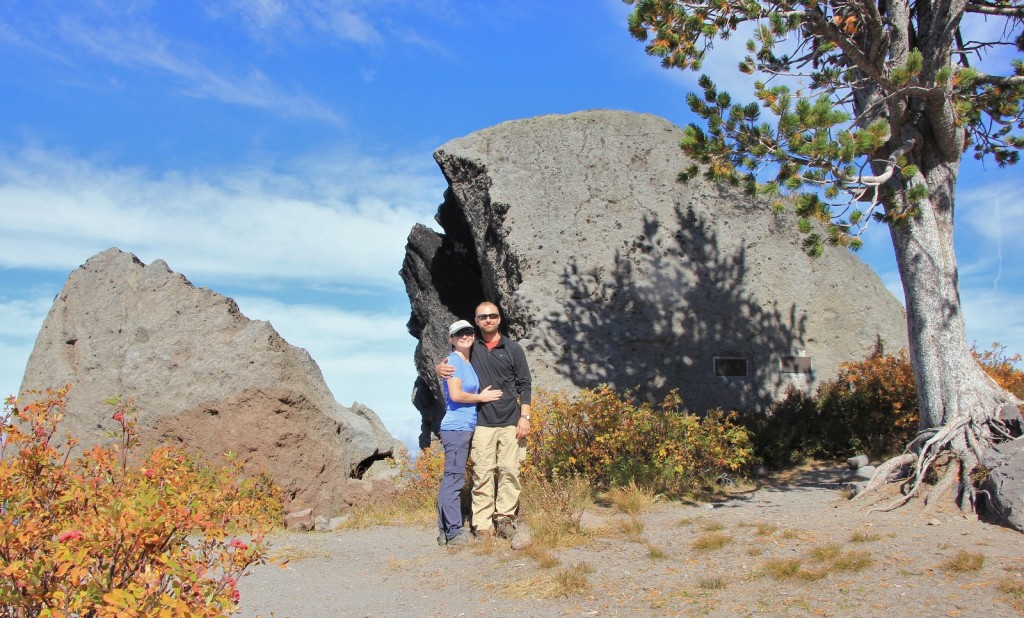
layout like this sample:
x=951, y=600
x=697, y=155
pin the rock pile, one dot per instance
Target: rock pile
x=204, y=377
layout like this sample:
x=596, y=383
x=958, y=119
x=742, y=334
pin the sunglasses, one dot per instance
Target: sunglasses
x=463, y=333
x=488, y=316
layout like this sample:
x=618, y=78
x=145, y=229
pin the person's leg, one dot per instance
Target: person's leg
x=484, y=465
x=449, y=507
x=508, y=458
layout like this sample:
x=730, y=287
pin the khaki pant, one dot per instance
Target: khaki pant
x=496, y=457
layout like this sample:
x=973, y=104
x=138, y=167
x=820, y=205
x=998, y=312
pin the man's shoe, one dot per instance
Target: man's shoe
x=504, y=528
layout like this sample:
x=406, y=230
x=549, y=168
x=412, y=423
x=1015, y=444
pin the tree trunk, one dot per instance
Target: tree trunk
x=959, y=404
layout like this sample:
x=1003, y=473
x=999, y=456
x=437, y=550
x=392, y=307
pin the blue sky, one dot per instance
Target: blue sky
x=279, y=151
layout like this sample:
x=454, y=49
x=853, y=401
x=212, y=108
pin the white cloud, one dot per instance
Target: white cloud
x=994, y=210
x=364, y=22
x=333, y=220
x=21, y=317
x=341, y=19
x=138, y=47
x=20, y=321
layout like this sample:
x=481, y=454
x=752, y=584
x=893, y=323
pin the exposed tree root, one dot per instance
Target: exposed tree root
x=949, y=476
x=961, y=442
x=884, y=472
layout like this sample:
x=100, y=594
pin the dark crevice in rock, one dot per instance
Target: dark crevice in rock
x=360, y=468
x=455, y=269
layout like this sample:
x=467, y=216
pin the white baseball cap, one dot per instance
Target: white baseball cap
x=461, y=325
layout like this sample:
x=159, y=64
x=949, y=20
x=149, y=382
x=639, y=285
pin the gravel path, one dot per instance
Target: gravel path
x=400, y=571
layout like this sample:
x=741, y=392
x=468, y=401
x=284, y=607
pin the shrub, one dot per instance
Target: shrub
x=611, y=441
x=1001, y=367
x=96, y=536
x=870, y=407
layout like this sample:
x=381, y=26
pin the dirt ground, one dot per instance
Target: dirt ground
x=786, y=550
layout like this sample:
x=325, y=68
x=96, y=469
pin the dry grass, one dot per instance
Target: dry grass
x=823, y=553
x=408, y=506
x=574, y=580
x=711, y=541
x=963, y=561
x=290, y=553
x=553, y=509
x=631, y=528
x=832, y=558
x=712, y=526
x=853, y=561
x=788, y=568
x=793, y=569
x=656, y=553
x=1014, y=589
x=545, y=559
x=766, y=529
x=569, y=581
x=631, y=499
x=864, y=537
x=711, y=582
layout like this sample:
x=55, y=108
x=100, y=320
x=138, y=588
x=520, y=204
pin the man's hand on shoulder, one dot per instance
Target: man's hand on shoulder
x=444, y=370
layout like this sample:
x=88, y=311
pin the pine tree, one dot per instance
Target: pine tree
x=888, y=106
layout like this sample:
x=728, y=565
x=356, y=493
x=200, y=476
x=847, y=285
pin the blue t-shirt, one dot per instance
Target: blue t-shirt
x=460, y=416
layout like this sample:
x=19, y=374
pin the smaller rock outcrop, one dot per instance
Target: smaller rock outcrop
x=203, y=377
x=1005, y=482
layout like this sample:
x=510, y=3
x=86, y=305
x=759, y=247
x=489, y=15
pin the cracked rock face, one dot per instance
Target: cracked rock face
x=610, y=271
x=203, y=376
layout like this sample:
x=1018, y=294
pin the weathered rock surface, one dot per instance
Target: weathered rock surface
x=203, y=376
x=1005, y=483
x=611, y=271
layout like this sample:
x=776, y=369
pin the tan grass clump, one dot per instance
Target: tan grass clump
x=656, y=553
x=631, y=499
x=711, y=541
x=569, y=581
x=963, y=561
x=553, y=509
x=711, y=582
x=863, y=537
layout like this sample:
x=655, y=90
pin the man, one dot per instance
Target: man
x=501, y=426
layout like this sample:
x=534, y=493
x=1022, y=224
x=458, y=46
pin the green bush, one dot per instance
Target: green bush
x=611, y=440
x=870, y=407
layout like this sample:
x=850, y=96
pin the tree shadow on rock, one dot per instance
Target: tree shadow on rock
x=673, y=303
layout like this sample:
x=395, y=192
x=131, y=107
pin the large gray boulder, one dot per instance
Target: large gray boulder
x=609, y=270
x=1005, y=482
x=203, y=376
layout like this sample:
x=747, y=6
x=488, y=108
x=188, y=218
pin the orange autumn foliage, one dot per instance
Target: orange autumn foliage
x=94, y=536
x=1001, y=367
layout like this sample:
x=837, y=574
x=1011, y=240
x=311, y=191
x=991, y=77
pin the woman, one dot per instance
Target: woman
x=462, y=393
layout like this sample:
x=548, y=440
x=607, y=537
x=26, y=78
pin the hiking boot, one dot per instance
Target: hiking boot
x=440, y=538
x=462, y=538
x=504, y=528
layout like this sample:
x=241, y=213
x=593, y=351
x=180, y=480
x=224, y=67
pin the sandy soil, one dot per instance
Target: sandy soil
x=400, y=571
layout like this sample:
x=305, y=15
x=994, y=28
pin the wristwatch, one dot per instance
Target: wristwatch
x=526, y=416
